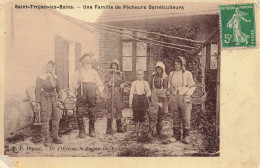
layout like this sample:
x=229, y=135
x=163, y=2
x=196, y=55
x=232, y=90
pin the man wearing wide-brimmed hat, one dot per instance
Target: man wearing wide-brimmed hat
x=86, y=81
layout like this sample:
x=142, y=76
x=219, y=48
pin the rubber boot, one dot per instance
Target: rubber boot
x=177, y=133
x=153, y=120
x=55, y=132
x=186, y=134
x=46, y=133
x=92, y=119
x=57, y=140
x=47, y=141
x=159, y=125
x=159, y=128
x=37, y=134
x=92, y=129
x=82, y=133
x=79, y=114
x=119, y=126
x=109, y=126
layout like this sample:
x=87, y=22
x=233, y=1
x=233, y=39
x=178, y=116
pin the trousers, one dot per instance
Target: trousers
x=86, y=102
x=156, y=113
x=118, y=104
x=181, y=109
x=49, y=112
x=140, y=106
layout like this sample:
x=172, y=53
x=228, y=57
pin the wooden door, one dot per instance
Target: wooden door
x=62, y=61
x=77, y=54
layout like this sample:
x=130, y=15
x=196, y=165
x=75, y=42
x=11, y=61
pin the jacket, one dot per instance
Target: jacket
x=48, y=84
x=186, y=86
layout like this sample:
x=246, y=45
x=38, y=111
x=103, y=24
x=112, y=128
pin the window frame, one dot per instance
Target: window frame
x=134, y=52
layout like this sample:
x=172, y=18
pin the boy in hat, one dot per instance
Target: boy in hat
x=45, y=97
x=138, y=100
x=115, y=79
x=181, y=86
x=86, y=81
x=159, y=84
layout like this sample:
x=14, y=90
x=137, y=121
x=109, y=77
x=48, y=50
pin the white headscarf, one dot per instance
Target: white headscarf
x=161, y=65
x=116, y=61
x=183, y=62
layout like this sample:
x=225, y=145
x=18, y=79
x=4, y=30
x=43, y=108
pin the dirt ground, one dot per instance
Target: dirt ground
x=103, y=145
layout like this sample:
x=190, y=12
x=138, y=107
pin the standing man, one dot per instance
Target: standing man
x=159, y=84
x=115, y=79
x=86, y=81
x=181, y=86
x=45, y=97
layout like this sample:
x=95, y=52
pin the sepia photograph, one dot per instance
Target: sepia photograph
x=135, y=80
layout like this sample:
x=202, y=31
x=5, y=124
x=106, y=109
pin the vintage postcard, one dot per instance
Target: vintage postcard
x=124, y=79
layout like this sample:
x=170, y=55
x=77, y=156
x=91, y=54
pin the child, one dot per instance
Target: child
x=138, y=100
x=159, y=83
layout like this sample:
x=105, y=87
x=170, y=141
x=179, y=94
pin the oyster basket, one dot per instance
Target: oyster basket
x=200, y=95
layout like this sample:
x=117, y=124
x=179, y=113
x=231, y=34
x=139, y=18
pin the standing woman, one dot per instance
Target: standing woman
x=45, y=97
x=181, y=86
x=115, y=79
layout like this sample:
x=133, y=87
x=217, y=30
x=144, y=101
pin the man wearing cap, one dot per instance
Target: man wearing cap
x=180, y=87
x=86, y=81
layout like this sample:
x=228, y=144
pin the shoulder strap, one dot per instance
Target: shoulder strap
x=170, y=77
x=162, y=83
x=144, y=86
x=80, y=77
x=153, y=82
x=135, y=87
x=95, y=75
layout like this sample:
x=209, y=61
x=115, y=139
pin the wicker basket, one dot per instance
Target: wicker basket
x=199, y=96
x=126, y=91
x=127, y=88
x=66, y=99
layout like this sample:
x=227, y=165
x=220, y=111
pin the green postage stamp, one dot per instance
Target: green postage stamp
x=238, y=25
